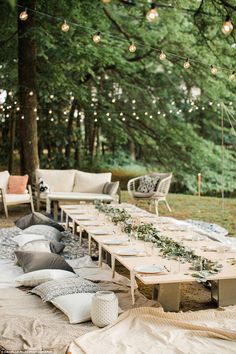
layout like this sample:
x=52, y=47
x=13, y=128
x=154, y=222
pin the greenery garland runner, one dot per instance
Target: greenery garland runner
x=170, y=249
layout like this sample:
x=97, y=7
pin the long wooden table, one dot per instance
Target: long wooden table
x=166, y=286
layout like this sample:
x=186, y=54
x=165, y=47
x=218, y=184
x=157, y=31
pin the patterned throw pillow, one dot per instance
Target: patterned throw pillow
x=110, y=188
x=147, y=184
x=51, y=289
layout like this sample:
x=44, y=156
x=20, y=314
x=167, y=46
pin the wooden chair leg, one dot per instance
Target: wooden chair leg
x=2, y=192
x=31, y=199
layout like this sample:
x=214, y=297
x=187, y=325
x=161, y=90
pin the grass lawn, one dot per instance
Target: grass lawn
x=198, y=208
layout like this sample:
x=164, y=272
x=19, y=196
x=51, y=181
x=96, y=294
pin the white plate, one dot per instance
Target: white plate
x=100, y=232
x=114, y=242
x=130, y=252
x=84, y=217
x=89, y=223
x=152, y=269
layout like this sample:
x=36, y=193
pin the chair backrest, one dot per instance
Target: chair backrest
x=164, y=184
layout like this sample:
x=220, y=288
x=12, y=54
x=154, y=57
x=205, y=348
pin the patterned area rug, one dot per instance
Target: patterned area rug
x=72, y=250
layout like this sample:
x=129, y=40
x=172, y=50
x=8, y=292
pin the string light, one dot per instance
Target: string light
x=51, y=96
x=23, y=15
x=162, y=56
x=31, y=93
x=22, y=117
x=187, y=64
x=132, y=48
x=152, y=14
x=10, y=93
x=65, y=27
x=232, y=76
x=17, y=108
x=97, y=37
x=35, y=109
x=214, y=70
x=227, y=27
x=50, y=111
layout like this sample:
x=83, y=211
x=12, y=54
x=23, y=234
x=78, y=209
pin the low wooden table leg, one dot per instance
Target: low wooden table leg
x=67, y=221
x=55, y=209
x=113, y=265
x=223, y=292
x=132, y=287
x=61, y=215
x=89, y=244
x=80, y=235
x=100, y=255
x=168, y=295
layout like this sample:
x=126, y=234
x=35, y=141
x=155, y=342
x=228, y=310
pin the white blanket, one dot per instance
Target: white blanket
x=151, y=331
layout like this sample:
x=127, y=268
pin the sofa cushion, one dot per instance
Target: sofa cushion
x=90, y=182
x=57, y=180
x=4, y=177
x=37, y=219
x=17, y=184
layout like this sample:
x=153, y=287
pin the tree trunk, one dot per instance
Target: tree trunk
x=12, y=142
x=27, y=90
x=70, y=132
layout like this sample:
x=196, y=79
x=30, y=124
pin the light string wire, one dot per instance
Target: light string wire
x=138, y=43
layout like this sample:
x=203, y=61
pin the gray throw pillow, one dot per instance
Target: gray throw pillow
x=54, y=288
x=56, y=247
x=31, y=261
x=49, y=232
x=110, y=188
x=37, y=219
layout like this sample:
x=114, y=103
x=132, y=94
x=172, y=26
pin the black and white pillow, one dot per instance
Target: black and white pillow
x=43, y=186
x=54, y=288
x=147, y=184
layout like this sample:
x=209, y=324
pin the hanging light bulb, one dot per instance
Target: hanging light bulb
x=187, y=64
x=132, y=48
x=214, y=70
x=162, y=56
x=65, y=27
x=31, y=93
x=227, y=27
x=97, y=37
x=152, y=14
x=23, y=15
x=232, y=76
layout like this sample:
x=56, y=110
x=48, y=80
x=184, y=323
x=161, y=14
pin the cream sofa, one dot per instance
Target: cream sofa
x=75, y=185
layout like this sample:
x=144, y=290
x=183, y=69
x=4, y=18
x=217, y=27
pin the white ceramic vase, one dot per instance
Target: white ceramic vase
x=104, y=308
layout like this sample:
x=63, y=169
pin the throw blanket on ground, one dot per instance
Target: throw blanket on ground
x=26, y=323
x=151, y=331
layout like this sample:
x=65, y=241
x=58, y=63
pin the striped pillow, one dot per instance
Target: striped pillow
x=17, y=184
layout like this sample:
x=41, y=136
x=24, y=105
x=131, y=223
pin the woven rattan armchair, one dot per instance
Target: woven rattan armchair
x=155, y=197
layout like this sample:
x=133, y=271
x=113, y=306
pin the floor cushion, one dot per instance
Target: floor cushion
x=49, y=232
x=37, y=219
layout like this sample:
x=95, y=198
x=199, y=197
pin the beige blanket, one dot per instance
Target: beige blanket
x=26, y=323
x=151, y=331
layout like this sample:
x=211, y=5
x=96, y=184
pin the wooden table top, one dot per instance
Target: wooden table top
x=189, y=236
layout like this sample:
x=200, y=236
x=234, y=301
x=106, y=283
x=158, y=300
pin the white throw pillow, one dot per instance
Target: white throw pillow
x=76, y=307
x=41, y=276
x=4, y=177
x=22, y=239
x=90, y=182
x=36, y=246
